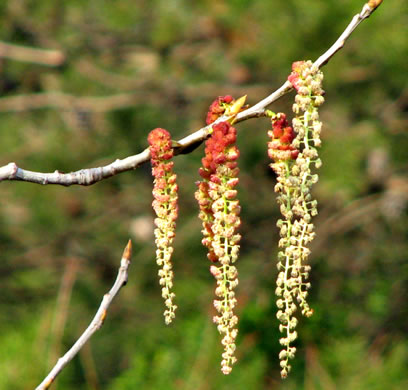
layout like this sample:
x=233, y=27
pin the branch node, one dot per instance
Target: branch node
x=103, y=316
x=9, y=171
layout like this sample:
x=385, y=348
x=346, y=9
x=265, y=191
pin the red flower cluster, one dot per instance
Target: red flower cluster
x=217, y=149
x=166, y=209
x=280, y=148
x=294, y=76
x=217, y=108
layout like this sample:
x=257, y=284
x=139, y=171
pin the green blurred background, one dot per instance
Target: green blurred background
x=131, y=66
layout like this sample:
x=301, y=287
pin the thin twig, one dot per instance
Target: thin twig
x=367, y=10
x=92, y=175
x=97, y=321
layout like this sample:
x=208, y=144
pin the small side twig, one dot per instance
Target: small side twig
x=97, y=321
x=92, y=175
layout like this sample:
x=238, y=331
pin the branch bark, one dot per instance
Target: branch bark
x=97, y=321
x=187, y=144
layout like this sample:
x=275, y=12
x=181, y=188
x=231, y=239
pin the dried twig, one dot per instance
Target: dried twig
x=31, y=54
x=185, y=145
x=144, y=91
x=62, y=306
x=66, y=101
x=97, y=321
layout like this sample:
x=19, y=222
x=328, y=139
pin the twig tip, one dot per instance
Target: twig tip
x=127, y=253
x=373, y=4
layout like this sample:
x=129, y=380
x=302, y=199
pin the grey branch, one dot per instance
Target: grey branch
x=93, y=175
x=97, y=321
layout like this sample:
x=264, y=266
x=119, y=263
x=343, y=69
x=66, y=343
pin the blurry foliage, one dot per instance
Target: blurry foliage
x=173, y=58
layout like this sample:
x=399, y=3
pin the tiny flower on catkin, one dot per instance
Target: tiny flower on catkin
x=280, y=147
x=293, y=151
x=219, y=212
x=166, y=209
x=294, y=76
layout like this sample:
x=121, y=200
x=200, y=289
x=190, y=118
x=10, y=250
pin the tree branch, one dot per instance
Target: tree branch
x=186, y=145
x=97, y=321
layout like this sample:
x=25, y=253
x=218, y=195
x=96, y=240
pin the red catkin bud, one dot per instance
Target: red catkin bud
x=160, y=145
x=217, y=108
